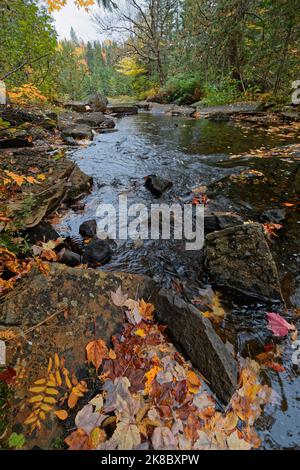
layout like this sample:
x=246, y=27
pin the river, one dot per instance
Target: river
x=190, y=153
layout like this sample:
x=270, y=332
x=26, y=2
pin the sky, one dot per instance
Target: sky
x=81, y=21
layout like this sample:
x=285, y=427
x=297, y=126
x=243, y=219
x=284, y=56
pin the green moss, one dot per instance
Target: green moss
x=58, y=444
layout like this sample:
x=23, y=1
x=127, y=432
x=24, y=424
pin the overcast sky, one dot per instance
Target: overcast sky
x=81, y=21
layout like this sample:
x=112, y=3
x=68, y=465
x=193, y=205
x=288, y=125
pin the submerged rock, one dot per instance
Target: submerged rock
x=195, y=334
x=88, y=228
x=156, y=185
x=239, y=258
x=97, y=252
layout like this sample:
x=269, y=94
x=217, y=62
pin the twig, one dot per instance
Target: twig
x=32, y=328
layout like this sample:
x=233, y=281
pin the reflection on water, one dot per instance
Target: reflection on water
x=191, y=153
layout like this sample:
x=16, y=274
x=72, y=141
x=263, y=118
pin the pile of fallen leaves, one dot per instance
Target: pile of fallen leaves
x=152, y=398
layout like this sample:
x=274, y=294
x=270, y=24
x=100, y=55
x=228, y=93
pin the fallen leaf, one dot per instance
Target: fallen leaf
x=119, y=299
x=235, y=443
x=164, y=439
x=96, y=352
x=61, y=414
x=278, y=325
x=88, y=419
x=127, y=436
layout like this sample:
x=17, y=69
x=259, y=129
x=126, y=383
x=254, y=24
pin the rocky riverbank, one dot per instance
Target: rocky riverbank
x=60, y=306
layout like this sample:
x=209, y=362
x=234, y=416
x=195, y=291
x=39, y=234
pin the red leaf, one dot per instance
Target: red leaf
x=8, y=375
x=275, y=366
x=278, y=325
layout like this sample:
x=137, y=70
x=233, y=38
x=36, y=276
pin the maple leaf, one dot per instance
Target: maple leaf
x=146, y=310
x=127, y=436
x=134, y=316
x=164, y=439
x=119, y=388
x=119, y=299
x=97, y=402
x=96, y=352
x=278, y=325
x=87, y=419
x=234, y=442
x=78, y=440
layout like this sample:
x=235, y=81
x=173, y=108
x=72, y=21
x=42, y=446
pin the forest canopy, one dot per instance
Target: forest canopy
x=176, y=50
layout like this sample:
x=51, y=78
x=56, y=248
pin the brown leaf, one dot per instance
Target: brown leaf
x=96, y=352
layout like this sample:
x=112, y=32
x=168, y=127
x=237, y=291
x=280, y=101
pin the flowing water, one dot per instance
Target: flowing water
x=190, y=153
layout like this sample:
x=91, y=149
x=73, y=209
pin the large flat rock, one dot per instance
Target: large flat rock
x=63, y=180
x=86, y=312
x=211, y=112
x=239, y=259
x=195, y=334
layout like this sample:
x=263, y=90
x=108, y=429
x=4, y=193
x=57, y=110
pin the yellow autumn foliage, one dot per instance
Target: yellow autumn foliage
x=26, y=94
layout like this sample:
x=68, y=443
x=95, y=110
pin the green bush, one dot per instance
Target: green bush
x=225, y=93
x=182, y=89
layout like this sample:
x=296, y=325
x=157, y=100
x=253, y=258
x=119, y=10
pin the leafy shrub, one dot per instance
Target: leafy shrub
x=26, y=94
x=182, y=89
x=225, y=93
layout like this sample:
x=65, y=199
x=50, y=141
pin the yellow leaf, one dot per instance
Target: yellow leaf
x=56, y=360
x=40, y=382
x=58, y=378
x=50, y=364
x=37, y=389
x=112, y=355
x=42, y=415
x=52, y=391
x=50, y=400
x=140, y=333
x=16, y=178
x=41, y=177
x=45, y=407
x=35, y=399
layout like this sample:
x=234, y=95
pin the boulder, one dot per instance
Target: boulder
x=76, y=308
x=64, y=181
x=43, y=232
x=97, y=252
x=195, y=334
x=274, y=215
x=215, y=221
x=98, y=102
x=17, y=116
x=69, y=258
x=77, y=132
x=88, y=228
x=15, y=137
x=78, y=106
x=96, y=120
x=156, y=185
x=121, y=110
x=239, y=259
